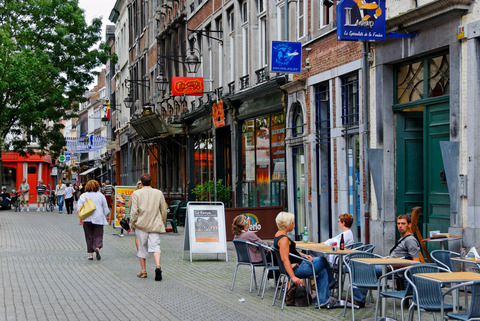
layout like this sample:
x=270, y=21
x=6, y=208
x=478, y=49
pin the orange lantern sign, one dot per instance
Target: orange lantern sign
x=189, y=86
x=218, y=115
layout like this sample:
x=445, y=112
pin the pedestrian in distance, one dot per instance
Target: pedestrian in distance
x=60, y=193
x=41, y=189
x=24, y=195
x=108, y=192
x=93, y=225
x=148, y=216
x=69, y=198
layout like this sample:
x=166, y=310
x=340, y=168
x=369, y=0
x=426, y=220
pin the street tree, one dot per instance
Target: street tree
x=46, y=64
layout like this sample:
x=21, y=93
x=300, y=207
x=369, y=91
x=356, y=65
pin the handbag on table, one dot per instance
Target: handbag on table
x=87, y=209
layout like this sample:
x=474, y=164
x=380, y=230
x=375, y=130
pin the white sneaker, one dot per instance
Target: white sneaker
x=28, y=209
x=44, y=209
x=21, y=210
x=38, y=210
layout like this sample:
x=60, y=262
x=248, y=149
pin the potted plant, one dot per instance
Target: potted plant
x=210, y=191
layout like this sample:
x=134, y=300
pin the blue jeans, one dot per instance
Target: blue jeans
x=323, y=274
x=60, y=202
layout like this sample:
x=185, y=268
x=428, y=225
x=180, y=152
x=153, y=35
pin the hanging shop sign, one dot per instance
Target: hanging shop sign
x=361, y=20
x=218, y=114
x=286, y=57
x=189, y=86
x=85, y=143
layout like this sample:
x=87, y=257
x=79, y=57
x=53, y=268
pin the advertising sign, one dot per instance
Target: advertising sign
x=361, y=20
x=286, y=57
x=205, y=228
x=218, y=114
x=190, y=86
x=120, y=204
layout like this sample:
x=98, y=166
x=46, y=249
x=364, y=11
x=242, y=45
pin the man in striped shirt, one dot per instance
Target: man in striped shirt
x=108, y=192
x=41, y=188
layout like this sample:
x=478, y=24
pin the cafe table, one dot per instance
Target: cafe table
x=466, y=260
x=450, y=277
x=327, y=249
x=442, y=240
x=384, y=262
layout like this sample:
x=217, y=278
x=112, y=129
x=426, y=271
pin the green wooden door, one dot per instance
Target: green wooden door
x=437, y=200
x=410, y=187
x=419, y=164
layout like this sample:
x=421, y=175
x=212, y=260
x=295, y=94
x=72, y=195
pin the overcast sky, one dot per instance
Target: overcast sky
x=96, y=9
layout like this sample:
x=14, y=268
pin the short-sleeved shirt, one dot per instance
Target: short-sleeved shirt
x=408, y=246
x=108, y=190
x=41, y=189
x=24, y=188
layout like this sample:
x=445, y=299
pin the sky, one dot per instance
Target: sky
x=97, y=8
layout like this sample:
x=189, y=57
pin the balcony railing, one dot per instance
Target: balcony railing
x=262, y=75
x=244, y=82
x=231, y=87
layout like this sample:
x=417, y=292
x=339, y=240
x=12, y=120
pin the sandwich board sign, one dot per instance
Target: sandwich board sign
x=205, y=229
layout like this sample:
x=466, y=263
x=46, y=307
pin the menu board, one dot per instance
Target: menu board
x=120, y=203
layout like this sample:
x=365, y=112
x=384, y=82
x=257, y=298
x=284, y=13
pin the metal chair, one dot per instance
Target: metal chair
x=268, y=266
x=172, y=216
x=243, y=258
x=357, y=245
x=181, y=212
x=362, y=276
x=394, y=294
x=427, y=294
x=443, y=258
x=368, y=248
x=474, y=312
x=285, y=279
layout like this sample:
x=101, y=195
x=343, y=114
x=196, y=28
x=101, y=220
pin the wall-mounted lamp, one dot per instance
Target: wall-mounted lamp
x=191, y=62
x=129, y=101
x=328, y=3
x=205, y=33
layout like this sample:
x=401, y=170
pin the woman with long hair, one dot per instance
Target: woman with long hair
x=93, y=225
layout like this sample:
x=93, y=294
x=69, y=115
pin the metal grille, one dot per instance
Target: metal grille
x=350, y=101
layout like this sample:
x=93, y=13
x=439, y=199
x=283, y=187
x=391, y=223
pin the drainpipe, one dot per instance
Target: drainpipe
x=365, y=142
x=285, y=9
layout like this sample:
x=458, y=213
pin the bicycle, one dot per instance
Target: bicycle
x=15, y=202
x=50, y=202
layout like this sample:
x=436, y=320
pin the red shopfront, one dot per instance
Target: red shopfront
x=32, y=167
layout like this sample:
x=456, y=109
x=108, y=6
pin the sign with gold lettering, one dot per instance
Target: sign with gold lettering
x=189, y=86
x=361, y=20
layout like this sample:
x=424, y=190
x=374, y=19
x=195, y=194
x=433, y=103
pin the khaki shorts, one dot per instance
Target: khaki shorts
x=24, y=198
x=147, y=243
x=41, y=198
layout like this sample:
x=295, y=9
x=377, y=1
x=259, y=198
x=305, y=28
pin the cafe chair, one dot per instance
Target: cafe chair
x=243, y=258
x=393, y=294
x=284, y=281
x=362, y=276
x=268, y=266
x=357, y=245
x=443, y=258
x=172, y=216
x=426, y=294
x=368, y=248
x=474, y=312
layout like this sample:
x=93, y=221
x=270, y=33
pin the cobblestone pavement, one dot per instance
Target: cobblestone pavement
x=45, y=275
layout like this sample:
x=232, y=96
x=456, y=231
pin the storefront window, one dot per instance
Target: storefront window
x=263, y=161
x=203, y=168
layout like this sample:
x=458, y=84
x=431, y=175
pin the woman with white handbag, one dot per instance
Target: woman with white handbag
x=94, y=222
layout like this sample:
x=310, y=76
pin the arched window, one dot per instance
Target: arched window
x=297, y=119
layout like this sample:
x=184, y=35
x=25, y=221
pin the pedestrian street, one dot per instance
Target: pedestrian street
x=45, y=275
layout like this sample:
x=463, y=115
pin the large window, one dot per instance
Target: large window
x=301, y=18
x=322, y=112
x=263, y=161
x=203, y=167
x=350, y=104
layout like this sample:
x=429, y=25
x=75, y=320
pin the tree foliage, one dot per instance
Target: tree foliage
x=46, y=63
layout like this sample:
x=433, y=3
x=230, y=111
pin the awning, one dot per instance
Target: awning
x=89, y=171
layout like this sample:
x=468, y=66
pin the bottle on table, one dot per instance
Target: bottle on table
x=305, y=235
x=342, y=243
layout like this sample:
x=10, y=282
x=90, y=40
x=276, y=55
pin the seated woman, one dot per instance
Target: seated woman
x=297, y=268
x=5, y=199
x=240, y=226
x=344, y=223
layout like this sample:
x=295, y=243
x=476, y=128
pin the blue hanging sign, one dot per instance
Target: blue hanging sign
x=286, y=57
x=361, y=20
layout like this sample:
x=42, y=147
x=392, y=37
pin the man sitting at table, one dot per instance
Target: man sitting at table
x=407, y=247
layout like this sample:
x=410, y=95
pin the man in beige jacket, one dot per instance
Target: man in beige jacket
x=148, y=215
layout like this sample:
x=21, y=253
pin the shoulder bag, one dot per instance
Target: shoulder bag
x=87, y=209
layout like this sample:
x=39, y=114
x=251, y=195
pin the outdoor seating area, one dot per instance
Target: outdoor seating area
x=432, y=288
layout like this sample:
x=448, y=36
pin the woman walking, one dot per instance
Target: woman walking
x=60, y=193
x=93, y=225
x=69, y=198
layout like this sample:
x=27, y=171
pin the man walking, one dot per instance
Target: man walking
x=24, y=194
x=41, y=188
x=108, y=193
x=148, y=215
